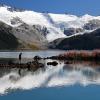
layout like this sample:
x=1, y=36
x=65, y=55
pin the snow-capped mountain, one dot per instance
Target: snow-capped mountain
x=56, y=25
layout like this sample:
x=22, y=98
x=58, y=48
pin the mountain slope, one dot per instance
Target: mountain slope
x=56, y=24
x=7, y=39
x=30, y=18
x=21, y=37
x=34, y=30
x=87, y=41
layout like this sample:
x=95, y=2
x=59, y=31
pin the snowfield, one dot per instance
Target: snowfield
x=55, y=23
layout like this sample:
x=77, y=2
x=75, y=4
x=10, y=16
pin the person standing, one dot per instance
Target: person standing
x=20, y=57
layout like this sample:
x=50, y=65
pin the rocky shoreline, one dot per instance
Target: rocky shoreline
x=67, y=57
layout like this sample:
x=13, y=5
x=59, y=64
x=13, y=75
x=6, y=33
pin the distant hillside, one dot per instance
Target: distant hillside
x=87, y=41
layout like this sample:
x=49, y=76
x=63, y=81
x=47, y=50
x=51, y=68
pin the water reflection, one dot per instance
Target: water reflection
x=84, y=73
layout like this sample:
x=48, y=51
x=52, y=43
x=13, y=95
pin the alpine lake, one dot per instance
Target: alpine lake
x=73, y=81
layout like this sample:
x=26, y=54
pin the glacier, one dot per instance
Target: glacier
x=55, y=23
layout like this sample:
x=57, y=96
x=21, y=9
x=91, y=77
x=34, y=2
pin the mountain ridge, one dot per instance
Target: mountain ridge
x=37, y=29
x=87, y=41
x=55, y=23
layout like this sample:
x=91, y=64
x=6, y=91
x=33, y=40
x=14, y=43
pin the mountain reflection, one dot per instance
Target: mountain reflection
x=50, y=76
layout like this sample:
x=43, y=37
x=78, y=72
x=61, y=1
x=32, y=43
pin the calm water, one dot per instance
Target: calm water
x=75, y=81
x=27, y=54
